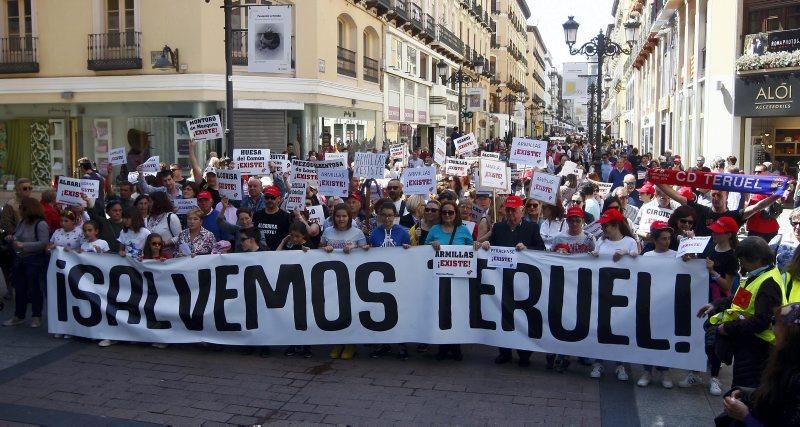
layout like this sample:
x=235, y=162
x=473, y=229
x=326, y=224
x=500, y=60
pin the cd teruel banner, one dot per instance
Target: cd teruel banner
x=269, y=39
x=635, y=310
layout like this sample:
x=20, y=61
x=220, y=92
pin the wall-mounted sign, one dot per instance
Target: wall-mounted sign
x=773, y=41
x=767, y=96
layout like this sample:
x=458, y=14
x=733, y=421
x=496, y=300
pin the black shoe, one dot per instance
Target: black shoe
x=562, y=363
x=305, y=352
x=422, y=348
x=501, y=359
x=381, y=351
x=403, y=354
x=290, y=351
x=550, y=361
x=524, y=363
x=265, y=352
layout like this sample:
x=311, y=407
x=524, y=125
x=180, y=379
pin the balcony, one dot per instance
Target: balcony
x=417, y=20
x=239, y=46
x=380, y=6
x=447, y=39
x=399, y=12
x=495, y=7
x=372, y=72
x=478, y=12
x=18, y=55
x=430, y=28
x=115, y=51
x=346, y=62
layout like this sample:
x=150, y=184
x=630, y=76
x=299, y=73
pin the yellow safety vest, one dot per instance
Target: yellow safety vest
x=744, y=302
x=792, y=289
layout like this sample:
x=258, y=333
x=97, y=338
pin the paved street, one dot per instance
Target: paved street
x=49, y=381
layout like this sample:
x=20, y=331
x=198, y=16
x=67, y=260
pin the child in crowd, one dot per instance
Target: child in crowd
x=297, y=239
x=68, y=236
x=133, y=235
x=154, y=248
x=91, y=243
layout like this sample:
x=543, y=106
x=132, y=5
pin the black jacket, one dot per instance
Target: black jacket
x=526, y=233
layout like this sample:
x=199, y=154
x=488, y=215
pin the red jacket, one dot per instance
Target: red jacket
x=51, y=216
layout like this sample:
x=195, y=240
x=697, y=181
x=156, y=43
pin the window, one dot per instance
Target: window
x=423, y=66
x=773, y=19
x=411, y=60
x=397, y=53
x=19, y=18
x=119, y=16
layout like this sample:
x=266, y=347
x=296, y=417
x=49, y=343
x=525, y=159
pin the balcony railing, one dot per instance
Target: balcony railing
x=417, y=18
x=239, y=46
x=450, y=40
x=372, y=72
x=18, y=55
x=346, y=62
x=430, y=26
x=115, y=51
x=400, y=11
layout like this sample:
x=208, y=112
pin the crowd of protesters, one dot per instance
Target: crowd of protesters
x=747, y=258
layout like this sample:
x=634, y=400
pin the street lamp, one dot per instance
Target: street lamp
x=460, y=78
x=602, y=46
x=508, y=99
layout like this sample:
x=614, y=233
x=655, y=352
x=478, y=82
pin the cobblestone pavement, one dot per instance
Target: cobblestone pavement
x=49, y=381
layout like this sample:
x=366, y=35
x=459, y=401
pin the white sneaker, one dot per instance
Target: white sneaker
x=597, y=370
x=160, y=345
x=689, y=380
x=66, y=337
x=715, y=386
x=644, y=380
x=666, y=380
x=106, y=343
x=58, y=336
x=14, y=321
x=622, y=374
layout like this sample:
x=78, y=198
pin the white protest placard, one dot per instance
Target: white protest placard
x=641, y=175
x=529, y=152
x=651, y=213
x=184, y=206
x=369, y=165
x=252, y=161
x=205, y=128
x=303, y=171
x=470, y=226
x=280, y=161
x=316, y=215
x=493, y=174
x=296, y=199
x=229, y=184
x=544, y=187
x=69, y=191
x=439, y=150
x=603, y=188
x=330, y=164
x=695, y=245
x=333, y=182
x=337, y=156
x=477, y=213
x=490, y=155
x=117, y=157
x=501, y=257
x=151, y=165
x=455, y=261
x=133, y=177
x=91, y=188
x=466, y=144
x=397, y=151
x=595, y=229
x=420, y=181
x=571, y=168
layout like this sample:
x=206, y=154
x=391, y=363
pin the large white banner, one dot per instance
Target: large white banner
x=269, y=39
x=636, y=310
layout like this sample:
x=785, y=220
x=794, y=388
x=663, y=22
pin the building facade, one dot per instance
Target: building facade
x=510, y=66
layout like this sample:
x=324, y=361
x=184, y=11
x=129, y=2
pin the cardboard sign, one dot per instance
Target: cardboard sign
x=456, y=167
x=500, y=257
x=330, y=164
x=296, y=199
x=466, y=144
x=571, y=168
x=117, y=156
x=205, y=128
x=229, y=184
x=603, y=188
x=477, y=213
x=455, y=261
x=91, y=188
x=333, y=182
x=493, y=174
x=152, y=165
x=641, y=175
x=420, y=181
x=397, y=151
x=252, y=161
x=316, y=215
x=303, y=171
x=651, y=213
x=184, y=206
x=544, y=187
x=280, y=161
x=595, y=229
x=490, y=155
x=695, y=245
x=370, y=165
x=529, y=152
x=337, y=156
x=439, y=150
x=69, y=191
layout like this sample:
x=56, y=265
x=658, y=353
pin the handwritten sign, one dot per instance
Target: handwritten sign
x=439, y=150
x=493, y=174
x=420, y=181
x=490, y=155
x=571, y=168
x=500, y=257
x=280, y=161
x=330, y=164
x=205, y=128
x=296, y=199
x=544, y=187
x=603, y=188
x=229, y=184
x=252, y=161
x=152, y=165
x=337, y=156
x=304, y=171
x=695, y=245
x=91, y=188
x=466, y=144
x=316, y=215
x=370, y=165
x=184, y=206
x=69, y=191
x=117, y=156
x=529, y=152
x=333, y=182
x=455, y=261
x=397, y=151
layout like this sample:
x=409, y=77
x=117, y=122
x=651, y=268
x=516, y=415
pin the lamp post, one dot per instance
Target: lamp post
x=602, y=46
x=508, y=99
x=460, y=78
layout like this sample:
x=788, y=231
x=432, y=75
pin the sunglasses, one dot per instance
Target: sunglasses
x=448, y=213
x=26, y=188
x=686, y=221
x=431, y=210
x=156, y=244
x=270, y=197
x=532, y=205
x=392, y=187
x=577, y=202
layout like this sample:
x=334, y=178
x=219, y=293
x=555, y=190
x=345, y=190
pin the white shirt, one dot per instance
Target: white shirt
x=99, y=243
x=67, y=239
x=418, y=163
x=132, y=242
x=668, y=254
x=549, y=229
x=610, y=247
x=166, y=225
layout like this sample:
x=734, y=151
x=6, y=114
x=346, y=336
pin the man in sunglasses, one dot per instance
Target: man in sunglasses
x=395, y=192
x=177, y=174
x=272, y=220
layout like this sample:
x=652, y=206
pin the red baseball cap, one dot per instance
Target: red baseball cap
x=575, y=212
x=513, y=201
x=660, y=225
x=676, y=159
x=355, y=196
x=686, y=192
x=724, y=224
x=647, y=188
x=611, y=215
x=273, y=191
x=204, y=195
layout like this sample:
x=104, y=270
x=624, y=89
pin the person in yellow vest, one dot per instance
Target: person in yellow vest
x=744, y=320
x=792, y=270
